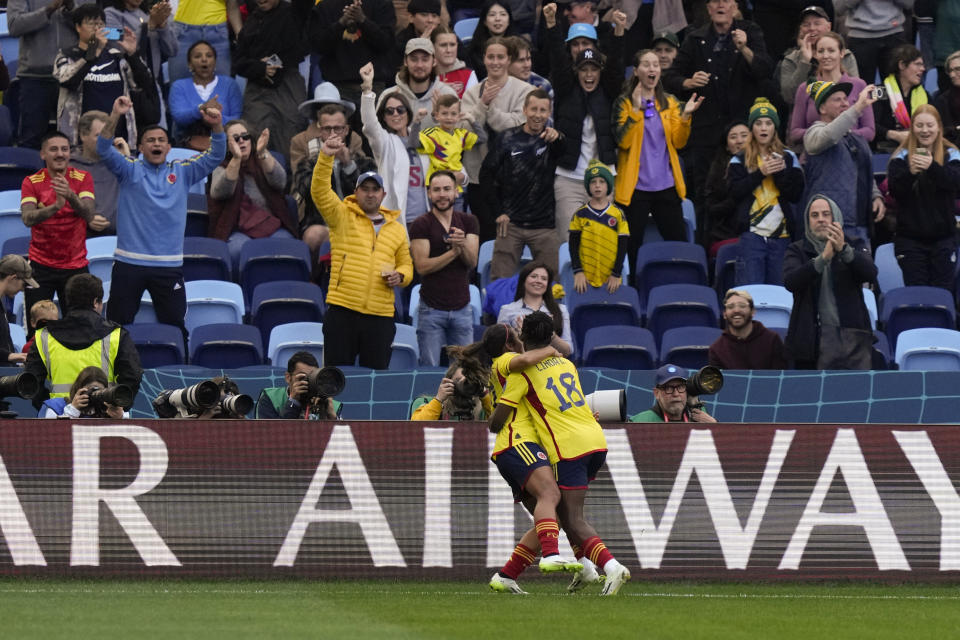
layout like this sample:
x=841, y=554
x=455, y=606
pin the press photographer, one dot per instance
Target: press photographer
x=215, y=399
x=462, y=395
x=91, y=396
x=308, y=395
x=673, y=390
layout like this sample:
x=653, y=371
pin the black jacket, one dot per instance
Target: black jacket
x=742, y=184
x=281, y=31
x=343, y=52
x=949, y=115
x=802, y=279
x=572, y=104
x=926, y=202
x=78, y=330
x=731, y=90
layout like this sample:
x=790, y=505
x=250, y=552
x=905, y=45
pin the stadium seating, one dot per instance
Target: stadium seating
x=725, y=267
x=212, y=302
x=287, y=339
x=100, y=256
x=197, y=219
x=225, y=346
x=889, y=274
x=10, y=200
x=17, y=336
x=16, y=163
x=206, y=259
x=19, y=245
x=405, y=352
x=465, y=28
x=270, y=259
x=687, y=346
x=928, y=349
x=663, y=263
x=682, y=305
x=283, y=302
x=772, y=303
x=870, y=300
x=599, y=308
x=11, y=225
x=485, y=258
x=882, y=358
x=619, y=347
x=475, y=304
x=159, y=345
x=914, y=307
x=880, y=162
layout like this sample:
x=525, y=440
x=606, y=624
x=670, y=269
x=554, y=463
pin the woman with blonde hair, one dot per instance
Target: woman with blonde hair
x=924, y=178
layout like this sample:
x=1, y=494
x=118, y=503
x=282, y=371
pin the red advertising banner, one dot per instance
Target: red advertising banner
x=246, y=498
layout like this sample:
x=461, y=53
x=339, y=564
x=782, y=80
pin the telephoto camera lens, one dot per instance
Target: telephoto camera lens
x=326, y=382
x=24, y=385
x=119, y=395
x=237, y=405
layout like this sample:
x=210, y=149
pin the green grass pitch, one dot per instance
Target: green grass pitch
x=354, y=610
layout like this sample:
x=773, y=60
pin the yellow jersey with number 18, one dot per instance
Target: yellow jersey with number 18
x=551, y=391
x=519, y=428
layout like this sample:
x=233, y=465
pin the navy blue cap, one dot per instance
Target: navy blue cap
x=369, y=175
x=669, y=372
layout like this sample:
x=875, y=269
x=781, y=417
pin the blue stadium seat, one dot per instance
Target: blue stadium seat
x=287, y=339
x=206, y=259
x=100, y=256
x=682, y=305
x=870, y=300
x=285, y=301
x=485, y=258
x=882, y=358
x=465, y=28
x=213, y=302
x=916, y=307
x=405, y=351
x=889, y=274
x=197, y=219
x=687, y=346
x=225, y=346
x=880, y=162
x=159, y=345
x=725, y=267
x=619, y=347
x=16, y=163
x=928, y=349
x=269, y=259
x=772, y=303
x=600, y=308
x=18, y=245
x=11, y=225
x=475, y=304
x=689, y=218
x=17, y=336
x=671, y=262
x=10, y=200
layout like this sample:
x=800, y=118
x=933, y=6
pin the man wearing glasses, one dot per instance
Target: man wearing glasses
x=746, y=343
x=670, y=400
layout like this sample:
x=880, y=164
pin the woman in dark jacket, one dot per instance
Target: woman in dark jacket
x=924, y=179
x=720, y=215
x=246, y=193
x=903, y=93
x=947, y=101
x=496, y=19
x=583, y=94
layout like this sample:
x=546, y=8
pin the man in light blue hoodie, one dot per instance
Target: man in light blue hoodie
x=152, y=216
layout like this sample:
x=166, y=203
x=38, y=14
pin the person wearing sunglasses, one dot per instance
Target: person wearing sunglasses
x=670, y=399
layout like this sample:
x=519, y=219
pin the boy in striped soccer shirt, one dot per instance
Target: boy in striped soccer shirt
x=573, y=440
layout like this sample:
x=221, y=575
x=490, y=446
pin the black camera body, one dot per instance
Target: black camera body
x=119, y=395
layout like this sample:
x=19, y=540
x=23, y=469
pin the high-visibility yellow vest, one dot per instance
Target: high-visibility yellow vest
x=64, y=364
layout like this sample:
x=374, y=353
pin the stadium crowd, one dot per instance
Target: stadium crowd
x=565, y=127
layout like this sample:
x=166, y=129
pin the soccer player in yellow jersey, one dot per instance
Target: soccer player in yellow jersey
x=572, y=438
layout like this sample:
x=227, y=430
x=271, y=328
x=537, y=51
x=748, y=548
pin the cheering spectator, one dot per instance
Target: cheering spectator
x=451, y=70
x=15, y=274
x=210, y=20
x=522, y=68
x=650, y=127
x=666, y=45
x=204, y=86
x=246, y=193
x=269, y=50
x=720, y=215
x=829, y=54
x=765, y=179
x=948, y=100
x=904, y=92
x=445, y=143
x=745, y=342
x=924, y=178
x=495, y=20
x=799, y=63
x=104, y=221
x=360, y=303
x=598, y=234
x=417, y=80
x=534, y=294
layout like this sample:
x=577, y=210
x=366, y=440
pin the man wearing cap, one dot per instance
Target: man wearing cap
x=798, y=64
x=370, y=255
x=670, y=399
x=56, y=203
x=417, y=80
x=82, y=338
x=424, y=16
x=584, y=92
x=15, y=274
x=328, y=116
x=779, y=20
x=745, y=343
x=665, y=44
x=726, y=63
x=839, y=162
x=583, y=28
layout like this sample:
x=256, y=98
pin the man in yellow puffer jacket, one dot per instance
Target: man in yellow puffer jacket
x=370, y=254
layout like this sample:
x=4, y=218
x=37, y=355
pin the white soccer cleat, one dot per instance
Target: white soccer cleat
x=501, y=584
x=555, y=563
x=586, y=576
x=616, y=578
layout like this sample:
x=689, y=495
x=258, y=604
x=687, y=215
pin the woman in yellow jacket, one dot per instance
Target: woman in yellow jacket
x=369, y=256
x=649, y=128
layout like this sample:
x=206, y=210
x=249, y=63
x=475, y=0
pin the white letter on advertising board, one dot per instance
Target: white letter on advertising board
x=365, y=509
x=926, y=463
x=14, y=525
x=87, y=495
x=700, y=456
x=869, y=514
x=438, y=461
